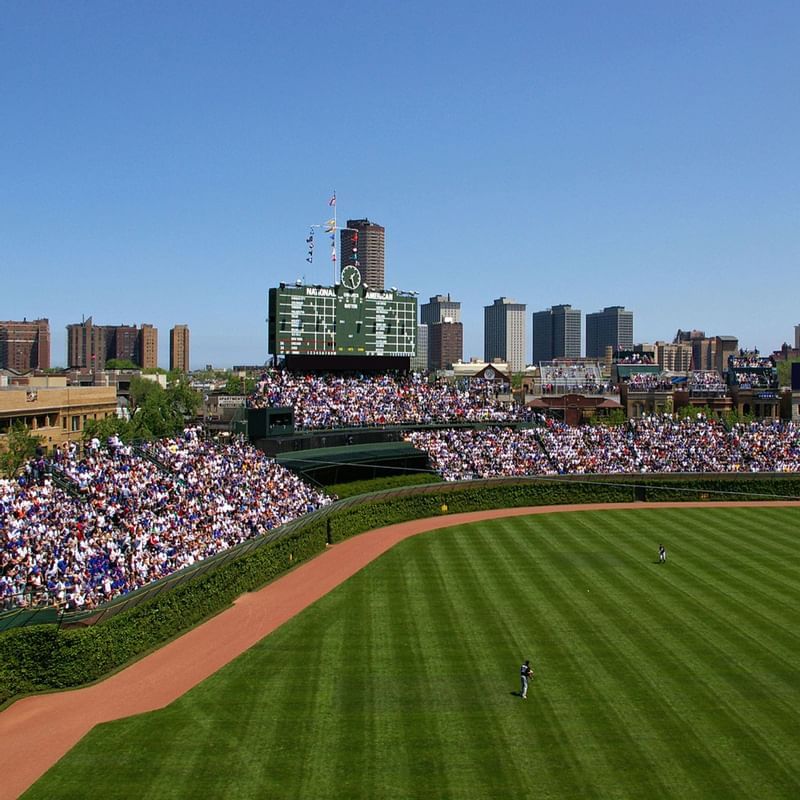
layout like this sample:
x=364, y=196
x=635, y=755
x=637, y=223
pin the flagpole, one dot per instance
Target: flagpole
x=334, y=237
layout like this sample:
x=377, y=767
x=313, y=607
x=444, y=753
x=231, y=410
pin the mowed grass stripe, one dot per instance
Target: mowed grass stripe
x=621, y=707
x=723, y=647
x=555, y=758
x=477, y=684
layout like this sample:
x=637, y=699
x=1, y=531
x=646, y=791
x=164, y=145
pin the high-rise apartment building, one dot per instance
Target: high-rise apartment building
x=363, y=245
x=611, y=327
x=179, y=348
x=89, y=346
x=25, y=345
x=445, y=344
x=86, y=345
x=148, y=347
x=438, y=309
x=123, y=342
x=504, y=333
x=556, y=333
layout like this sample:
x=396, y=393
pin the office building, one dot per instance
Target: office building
x=90, y=346
x=708, y=352
x=556, y=333
x=438, y=309
x=611, y=327
x=363, y=244
x=722, y=348
x=445, y=344
x=419, y=363
x=797, y=337
x=504, y=333
x=25, y=345
x=179, y=348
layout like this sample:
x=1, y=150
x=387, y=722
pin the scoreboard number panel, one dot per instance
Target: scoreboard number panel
x=321, y=320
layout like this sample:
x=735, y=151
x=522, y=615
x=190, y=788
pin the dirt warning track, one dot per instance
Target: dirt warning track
x=37, y=731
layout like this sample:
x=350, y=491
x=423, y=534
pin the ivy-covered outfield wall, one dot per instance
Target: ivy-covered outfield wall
x=46, y=657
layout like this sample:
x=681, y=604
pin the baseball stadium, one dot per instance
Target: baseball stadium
x=337, y=603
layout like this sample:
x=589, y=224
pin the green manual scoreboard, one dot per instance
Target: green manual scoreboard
x=341, y=321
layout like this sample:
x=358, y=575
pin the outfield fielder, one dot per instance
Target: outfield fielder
x=662, y=554
x=525, y=674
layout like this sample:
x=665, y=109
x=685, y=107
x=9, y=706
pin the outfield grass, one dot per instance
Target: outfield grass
x=677, y=680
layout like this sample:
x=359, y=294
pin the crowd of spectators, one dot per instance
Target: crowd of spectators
x=648, y=382
x=706, y=382
x=489, y=453
x=651, y=444
x=136, y=516
x=578, y=378
x=755, y=379
x=753, y=360
x=338, y=401
x=634, y=358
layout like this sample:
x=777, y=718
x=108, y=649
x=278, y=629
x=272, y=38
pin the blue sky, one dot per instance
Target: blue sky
x=161, y=162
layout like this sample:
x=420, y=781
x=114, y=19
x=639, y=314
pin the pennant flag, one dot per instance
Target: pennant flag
x=332, y=201
x=330, y=226
x=310, y=243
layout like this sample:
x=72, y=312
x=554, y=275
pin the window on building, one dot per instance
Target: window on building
x=76, y=423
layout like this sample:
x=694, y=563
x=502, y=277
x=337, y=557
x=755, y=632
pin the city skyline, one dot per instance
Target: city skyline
x=161, y=162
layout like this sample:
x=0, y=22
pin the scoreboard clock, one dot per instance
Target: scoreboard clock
x=346, y=319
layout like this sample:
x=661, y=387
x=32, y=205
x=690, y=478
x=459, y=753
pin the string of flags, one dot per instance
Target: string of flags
x=310, y=243
x=330, y=228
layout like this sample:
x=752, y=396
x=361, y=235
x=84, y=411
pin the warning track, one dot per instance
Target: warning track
x=37, y=731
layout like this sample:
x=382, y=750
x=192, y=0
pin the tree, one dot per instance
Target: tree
x=19, y=448
x=158, y=412
x=182, y=398
x=103, y=428
x=121, y=363
x=785, y=371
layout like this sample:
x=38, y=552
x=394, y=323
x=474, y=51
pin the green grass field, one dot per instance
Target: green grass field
x=677, y=680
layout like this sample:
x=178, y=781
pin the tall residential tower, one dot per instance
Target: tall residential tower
x=179, y=348
x=362, y=244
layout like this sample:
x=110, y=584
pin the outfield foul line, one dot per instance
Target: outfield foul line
x=37, y=731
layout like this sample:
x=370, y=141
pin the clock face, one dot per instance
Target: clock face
x=351, y=277
x=488, y=374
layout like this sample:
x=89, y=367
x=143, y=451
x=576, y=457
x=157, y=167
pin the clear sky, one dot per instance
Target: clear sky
x=161, y=161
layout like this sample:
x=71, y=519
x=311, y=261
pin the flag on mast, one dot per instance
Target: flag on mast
x=332, y=201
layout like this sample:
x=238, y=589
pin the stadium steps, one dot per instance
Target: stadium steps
x=551, y=460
